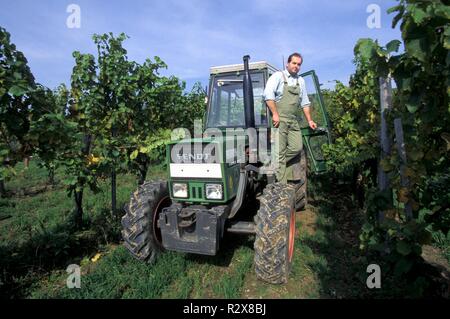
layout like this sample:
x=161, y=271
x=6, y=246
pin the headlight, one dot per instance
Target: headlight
x=180, y=190
x=214, y=191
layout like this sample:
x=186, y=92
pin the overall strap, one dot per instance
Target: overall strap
x=284, y=77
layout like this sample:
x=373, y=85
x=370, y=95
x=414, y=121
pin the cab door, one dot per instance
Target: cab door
x=314, y=139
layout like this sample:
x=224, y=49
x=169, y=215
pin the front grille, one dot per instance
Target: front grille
x=196, y=191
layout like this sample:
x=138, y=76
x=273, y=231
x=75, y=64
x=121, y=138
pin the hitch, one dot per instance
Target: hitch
x=192, y=229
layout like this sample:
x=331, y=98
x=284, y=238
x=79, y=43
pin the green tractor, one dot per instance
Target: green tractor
x=221, y=182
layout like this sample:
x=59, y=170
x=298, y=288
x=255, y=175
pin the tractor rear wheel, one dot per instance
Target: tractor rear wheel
x=275, y=233
x=142, y=236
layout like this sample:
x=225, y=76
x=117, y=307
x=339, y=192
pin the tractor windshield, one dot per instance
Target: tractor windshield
x=226, y=104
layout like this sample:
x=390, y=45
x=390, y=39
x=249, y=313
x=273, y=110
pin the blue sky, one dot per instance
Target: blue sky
x=192, y=35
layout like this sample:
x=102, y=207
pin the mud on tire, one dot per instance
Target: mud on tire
x=275, y=232
x=139, y=224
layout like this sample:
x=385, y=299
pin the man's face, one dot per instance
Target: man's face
x=293, y=67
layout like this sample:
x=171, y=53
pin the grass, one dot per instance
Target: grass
x=38, y=242
x=37, y=234
x=174, y=275
x=220, y=276
x=442, y=242
x=230, y=284
x=29, y=177
x=116, y=275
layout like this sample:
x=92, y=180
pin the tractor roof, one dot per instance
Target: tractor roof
x=240, y=67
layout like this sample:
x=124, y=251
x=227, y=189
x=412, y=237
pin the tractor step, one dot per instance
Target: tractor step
x=242, y=228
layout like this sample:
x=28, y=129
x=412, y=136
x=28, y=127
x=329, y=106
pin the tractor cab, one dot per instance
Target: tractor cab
x=226, y=109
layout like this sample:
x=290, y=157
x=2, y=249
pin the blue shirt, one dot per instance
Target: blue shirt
x=275, y=85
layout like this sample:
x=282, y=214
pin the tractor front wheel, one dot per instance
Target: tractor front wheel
x=142, y=236
x=301, y=173
x=275, y=233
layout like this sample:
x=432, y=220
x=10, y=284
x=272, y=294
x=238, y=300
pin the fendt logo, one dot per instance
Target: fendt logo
x=193, y=157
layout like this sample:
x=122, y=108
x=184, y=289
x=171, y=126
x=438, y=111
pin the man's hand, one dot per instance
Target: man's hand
x=307, y=112
x=276, y=119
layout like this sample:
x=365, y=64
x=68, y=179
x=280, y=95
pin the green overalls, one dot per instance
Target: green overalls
x=289, y=133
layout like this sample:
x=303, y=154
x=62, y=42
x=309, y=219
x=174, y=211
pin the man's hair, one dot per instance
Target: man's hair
x=295, y=54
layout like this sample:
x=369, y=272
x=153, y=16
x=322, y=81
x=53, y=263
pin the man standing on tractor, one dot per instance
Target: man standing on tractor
x=284, y=94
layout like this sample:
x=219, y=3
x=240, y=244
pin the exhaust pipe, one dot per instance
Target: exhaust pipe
x=249, y=104
x=249, y=107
